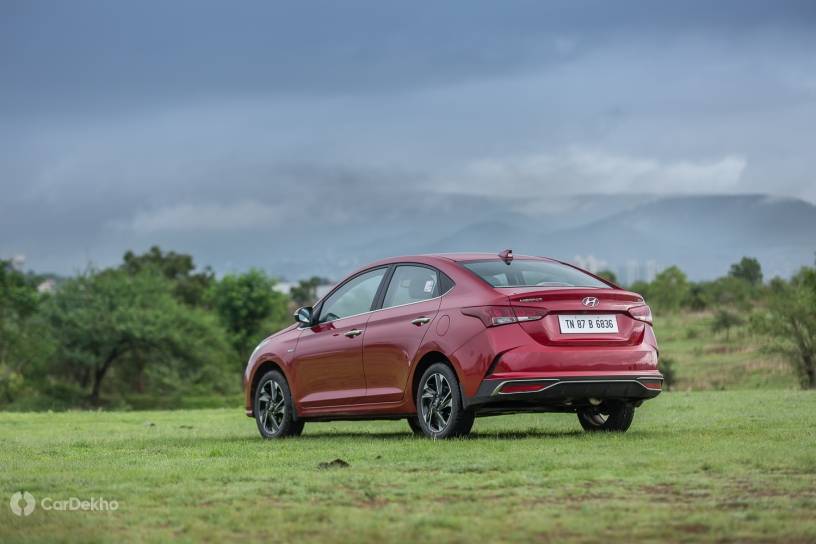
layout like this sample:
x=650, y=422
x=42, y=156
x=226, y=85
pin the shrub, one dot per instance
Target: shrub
x=666, y=367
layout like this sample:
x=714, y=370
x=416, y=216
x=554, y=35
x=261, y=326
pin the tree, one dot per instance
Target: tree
x=21, y=339
x=697, y=299
x=188, y=286
x=747, y=269
x=18, y=298
x=305, y=292
x=642, y=288
x=110, y=318
x=790, y=324
x=730, y=291
x=249, y=307
x=725, y=320
x=669, y=290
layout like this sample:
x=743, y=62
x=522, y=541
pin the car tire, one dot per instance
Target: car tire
x=274, y=410
x=416, y=428
x=440, y=413
x=609, y=417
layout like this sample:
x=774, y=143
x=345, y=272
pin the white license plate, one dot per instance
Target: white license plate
x=588, y=323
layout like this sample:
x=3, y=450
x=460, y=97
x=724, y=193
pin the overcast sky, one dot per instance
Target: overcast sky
x=123, y=124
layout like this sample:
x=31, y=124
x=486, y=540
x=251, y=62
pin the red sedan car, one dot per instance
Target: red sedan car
x=441, y=339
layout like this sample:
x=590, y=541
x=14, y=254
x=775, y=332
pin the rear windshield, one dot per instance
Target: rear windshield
x=529, y=273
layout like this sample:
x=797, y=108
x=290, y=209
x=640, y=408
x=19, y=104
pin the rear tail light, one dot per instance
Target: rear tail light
x=529, y=314
x=641, y=313
x=493, y=316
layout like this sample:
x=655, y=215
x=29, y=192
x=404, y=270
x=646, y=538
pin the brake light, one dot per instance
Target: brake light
x=493, y=316
x=641, y=313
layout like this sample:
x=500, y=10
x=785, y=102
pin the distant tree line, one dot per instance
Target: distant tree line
x=156, y=328
x=671, y=290
x=782, y=312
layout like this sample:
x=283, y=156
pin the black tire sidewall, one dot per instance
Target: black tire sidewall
x=413, y=423
x=620, y=418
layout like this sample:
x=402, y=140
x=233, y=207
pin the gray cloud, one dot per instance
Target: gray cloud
x=199, y=125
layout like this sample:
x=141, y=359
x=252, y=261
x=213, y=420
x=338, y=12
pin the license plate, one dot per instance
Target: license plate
x=588, y=324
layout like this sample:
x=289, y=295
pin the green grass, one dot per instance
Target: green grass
x=702, y=466
x=704, y=360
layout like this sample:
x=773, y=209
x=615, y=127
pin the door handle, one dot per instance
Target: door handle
x=420, y=321
x=353, y=332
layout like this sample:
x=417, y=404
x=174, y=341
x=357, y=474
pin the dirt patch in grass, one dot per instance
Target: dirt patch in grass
x=750, y=489
x=736, y=494
x=671, y=493
x=337, y=463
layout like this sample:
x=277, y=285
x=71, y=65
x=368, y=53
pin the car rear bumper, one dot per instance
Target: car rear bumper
x=563, y=392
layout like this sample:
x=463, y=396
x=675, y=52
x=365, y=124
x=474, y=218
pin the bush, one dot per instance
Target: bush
x=666, y=367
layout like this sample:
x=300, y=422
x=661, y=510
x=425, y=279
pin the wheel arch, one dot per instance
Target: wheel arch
x=424, y=362
x=260, y=369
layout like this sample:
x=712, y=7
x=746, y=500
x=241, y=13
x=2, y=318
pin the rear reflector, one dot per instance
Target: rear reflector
x=522, y=387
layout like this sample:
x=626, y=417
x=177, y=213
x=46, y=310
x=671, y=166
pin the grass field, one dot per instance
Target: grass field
x=702, y=466
x=704, y=360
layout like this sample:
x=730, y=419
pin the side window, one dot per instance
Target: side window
x=411, y=284
x=352, y=298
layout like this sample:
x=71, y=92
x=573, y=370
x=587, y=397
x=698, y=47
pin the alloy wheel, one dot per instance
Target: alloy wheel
x=272, y=406
x=436, y=402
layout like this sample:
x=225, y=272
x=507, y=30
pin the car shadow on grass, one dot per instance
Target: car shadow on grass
x=315, y=435
x=498, y=435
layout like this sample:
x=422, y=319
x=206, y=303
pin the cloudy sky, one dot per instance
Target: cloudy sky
x=126, y=124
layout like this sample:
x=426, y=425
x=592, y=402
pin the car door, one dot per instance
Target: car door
x=395, y=332
x=328, y=361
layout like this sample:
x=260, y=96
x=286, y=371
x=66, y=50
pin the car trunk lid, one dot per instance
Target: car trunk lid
x=573, y=315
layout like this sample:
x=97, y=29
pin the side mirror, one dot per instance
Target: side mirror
x=304, y=315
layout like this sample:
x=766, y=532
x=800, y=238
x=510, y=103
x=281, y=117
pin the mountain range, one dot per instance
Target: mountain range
x=631, y=235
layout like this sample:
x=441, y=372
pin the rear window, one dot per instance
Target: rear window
x=529, y=273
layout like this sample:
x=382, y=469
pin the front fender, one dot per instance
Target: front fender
x=272, y=352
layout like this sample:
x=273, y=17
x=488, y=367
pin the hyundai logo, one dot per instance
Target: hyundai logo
x=590, y=302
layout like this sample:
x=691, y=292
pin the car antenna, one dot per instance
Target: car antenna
x=506, y=256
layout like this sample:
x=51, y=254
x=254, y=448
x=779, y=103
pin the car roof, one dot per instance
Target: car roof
x=428, y=258
x=477, y=256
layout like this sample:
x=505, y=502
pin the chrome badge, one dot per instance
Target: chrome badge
x=590, y=302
